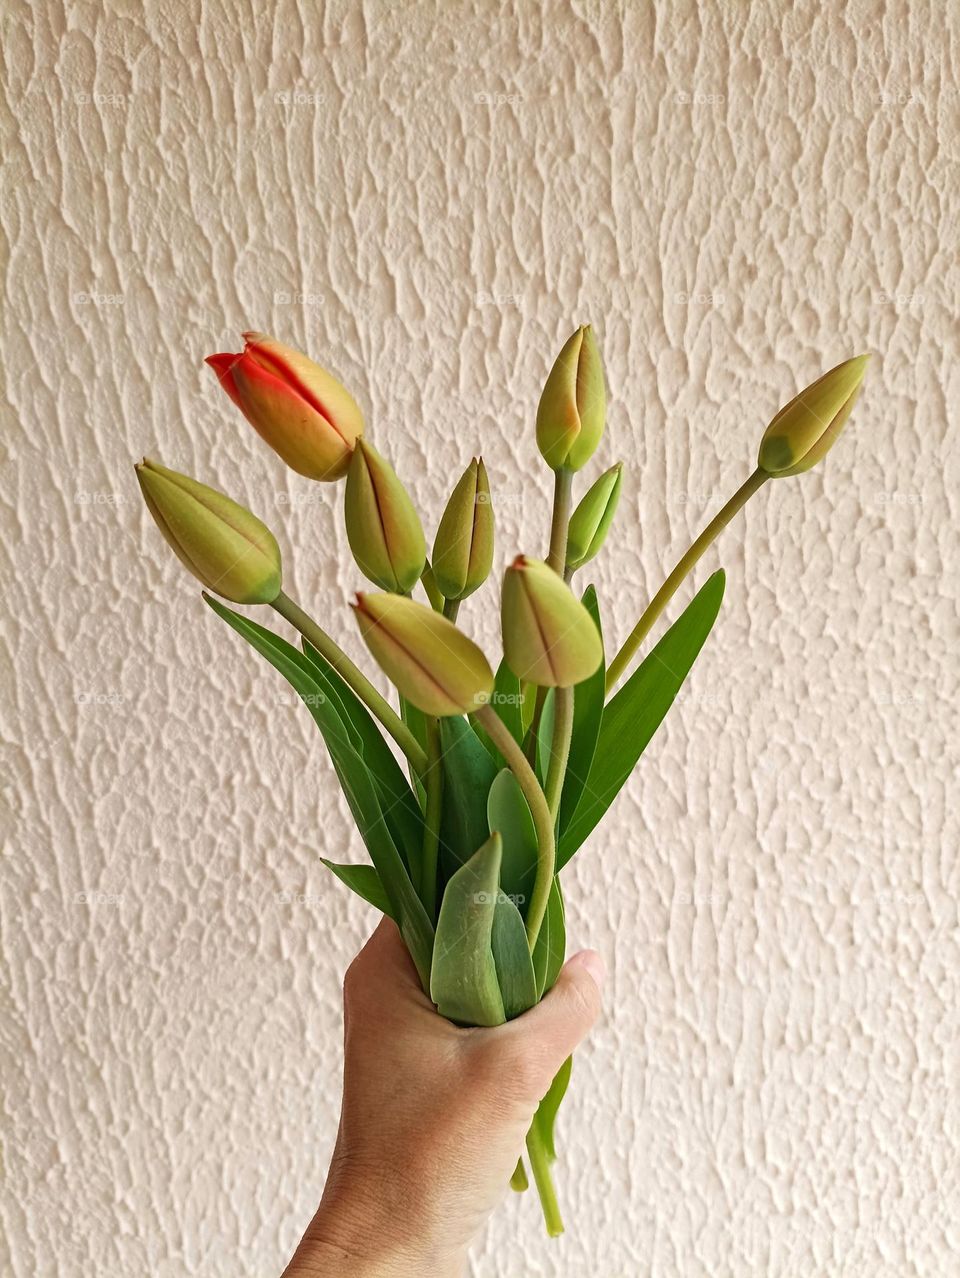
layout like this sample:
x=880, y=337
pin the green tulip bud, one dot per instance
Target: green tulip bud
x=808, y=427
x=591, y=520
x=549, y=638
x=463, y=549
x=383, y=527
x=430, y=662
x=573, y=405
x=225, y=547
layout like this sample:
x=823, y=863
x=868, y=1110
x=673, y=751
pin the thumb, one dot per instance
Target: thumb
x=564, y=1017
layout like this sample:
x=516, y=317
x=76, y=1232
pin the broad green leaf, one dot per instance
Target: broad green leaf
x=355, y=778
x=463, y=978
x=468, y=773
x=507, y=700
x=416, y=721
x=546, y=1115
x=588, y=698
x=400, y=807
x=509, y=815
x=551, y=942
x=511, y=956
x=364, y=881
x=632, y=716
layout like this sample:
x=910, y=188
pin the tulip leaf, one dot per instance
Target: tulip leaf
x=511, y=956
x=546, y=1115
x=463, y=977
x=400, y=806
x=551, y=942
x=507, y=701
x=632, y=716
x=588, y=698
x=356, y=779
x=468, y=773
x=364, y=881
x=509, y=816
x=545, y=734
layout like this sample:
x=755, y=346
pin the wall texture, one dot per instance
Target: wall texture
x=428, y=198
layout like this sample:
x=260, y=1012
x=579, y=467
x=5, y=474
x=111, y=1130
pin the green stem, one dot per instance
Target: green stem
x=540, y=1167
x=562, y=495
x=433, y=782
x=450, y=609
x=559, y=748
x=542, y=820
x=669, y=587
x=355, y=677
x=431, y=589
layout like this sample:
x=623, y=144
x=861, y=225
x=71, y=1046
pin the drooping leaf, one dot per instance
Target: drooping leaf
x=400, y=806
x=511, y=956
x=463, y=978
x=364, y=881
x=507, y=701
x=588, y=698
x=632, y=716
x=546, y=1115
x=468, y=773
x=509, y=815
x=551, y=941
x=356, y=779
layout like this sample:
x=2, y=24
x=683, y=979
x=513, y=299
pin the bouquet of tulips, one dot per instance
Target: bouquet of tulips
x=476, y=789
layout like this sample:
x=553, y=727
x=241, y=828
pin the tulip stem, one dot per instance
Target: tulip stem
x=352, y=675
x=450, y=609
x=562, y=501
x=669, y=587
x=502, y=738
x=540, y=1166
x=433, y=784
x=559, y=748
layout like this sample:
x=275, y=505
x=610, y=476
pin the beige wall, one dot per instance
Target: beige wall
x=428, y=199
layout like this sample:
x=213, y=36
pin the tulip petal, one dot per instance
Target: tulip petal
x=320, y=389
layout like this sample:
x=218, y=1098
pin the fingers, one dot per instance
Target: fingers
x=383, y=969
x=567, y=1014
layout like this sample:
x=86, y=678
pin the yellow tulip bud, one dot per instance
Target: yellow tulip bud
x=591, y=520
x=549, y=638
x=383, y=527
x=463, y=549
x=808, y=427
x=573, y=405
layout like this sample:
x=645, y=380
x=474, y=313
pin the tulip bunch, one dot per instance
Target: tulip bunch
x=474, y=790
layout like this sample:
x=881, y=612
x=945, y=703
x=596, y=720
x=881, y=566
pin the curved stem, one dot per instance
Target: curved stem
x=562, y=494
x=542, y=820
x=433, y=783
x=559, y=748
x=540, y=1167
x=351, y=674
x=669, y=587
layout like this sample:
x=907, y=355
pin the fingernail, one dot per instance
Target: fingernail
x=594, y=964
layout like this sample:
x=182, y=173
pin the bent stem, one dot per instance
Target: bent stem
x=540, y=1166
x=669, y=587
x=559, y=748
x=433, y=783
x=351, y=674
x=501, y=737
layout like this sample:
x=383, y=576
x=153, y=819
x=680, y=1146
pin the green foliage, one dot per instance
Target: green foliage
x=463, y=978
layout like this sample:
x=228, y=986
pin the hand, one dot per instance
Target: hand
x=433, y=1117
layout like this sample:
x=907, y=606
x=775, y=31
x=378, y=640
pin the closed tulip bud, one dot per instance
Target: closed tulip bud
x=549, y=638
x=225, y=547
x=573, y=405
x=591, y=520
x=383, y=527
x=300, y=409
x=808, y=427
x=430, y=662
x=463, y=549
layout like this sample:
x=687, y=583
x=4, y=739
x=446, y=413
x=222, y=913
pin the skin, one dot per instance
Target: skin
x=433, y=1117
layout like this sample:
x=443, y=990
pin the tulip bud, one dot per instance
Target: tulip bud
x=383, y=527
x=808, y=427
x=299, y=408
x=573, y=404
x=549, y=638
x=463, y=549
x=225, y=547
x=590, y=522
x=431, y=663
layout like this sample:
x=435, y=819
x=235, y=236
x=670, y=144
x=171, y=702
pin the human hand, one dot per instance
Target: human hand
x=433, y=1117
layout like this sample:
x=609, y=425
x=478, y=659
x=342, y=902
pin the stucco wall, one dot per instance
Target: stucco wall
x=427, y=199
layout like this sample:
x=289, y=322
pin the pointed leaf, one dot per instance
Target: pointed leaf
x=364, y=881
x=468, y=773
x=463, y=978
x=551, y=942
x=632, y=716
x=511, y=955
x=545, y=735
x=588, y=698
x=509, y=816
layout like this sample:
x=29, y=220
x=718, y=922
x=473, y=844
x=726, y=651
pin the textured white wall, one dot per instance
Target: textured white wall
x=427, y=198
